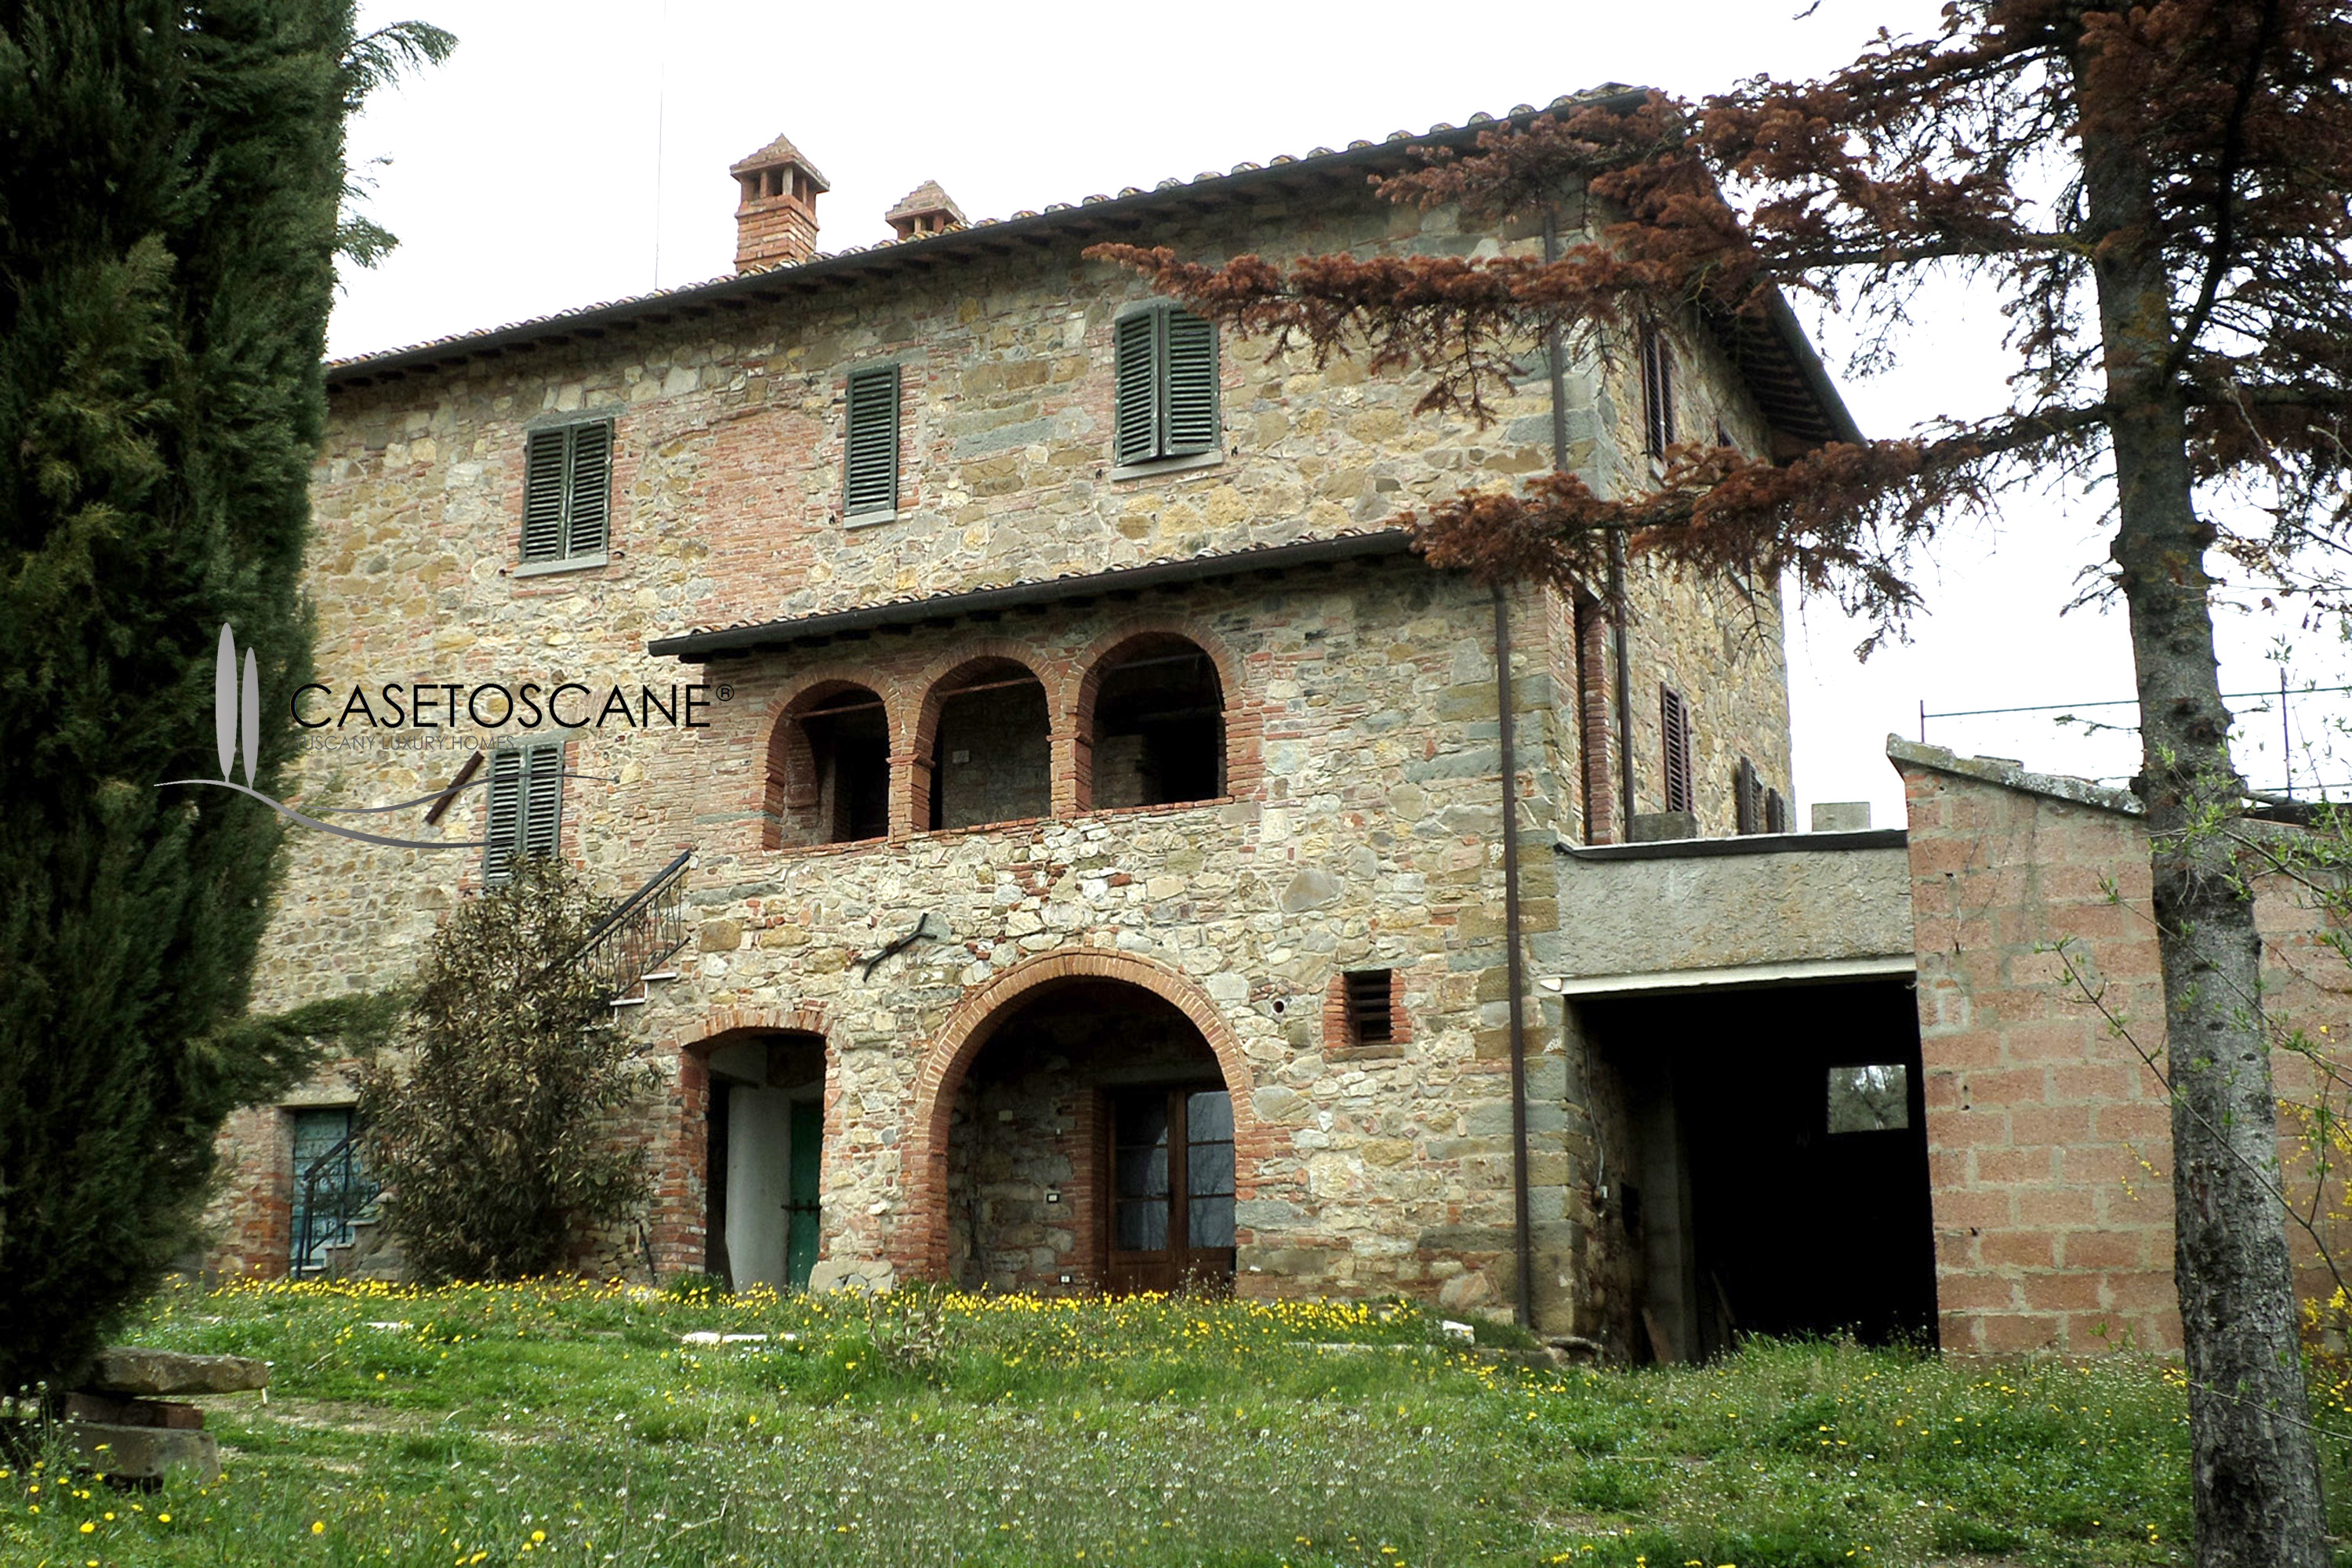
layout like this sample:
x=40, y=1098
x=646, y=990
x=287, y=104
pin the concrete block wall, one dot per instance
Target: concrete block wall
x=2049, y=1136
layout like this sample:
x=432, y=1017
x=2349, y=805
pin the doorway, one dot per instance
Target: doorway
x=1171, y=1190
x=765, y=1157
x=1090, y=1147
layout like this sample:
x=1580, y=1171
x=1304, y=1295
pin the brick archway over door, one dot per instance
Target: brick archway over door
x=921, y=1248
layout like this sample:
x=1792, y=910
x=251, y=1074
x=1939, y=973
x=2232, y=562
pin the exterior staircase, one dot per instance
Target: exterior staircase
x=635, y=947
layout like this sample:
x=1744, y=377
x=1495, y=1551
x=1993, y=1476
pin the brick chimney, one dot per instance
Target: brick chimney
x=776, y=219
x=925, y=209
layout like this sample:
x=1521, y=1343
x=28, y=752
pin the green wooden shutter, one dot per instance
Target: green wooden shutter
x=542, y=807
x=502, y=834
x=590, y=492
x=542, y=496
x=871, y=445
x=1190, y=354
x=1135, y=377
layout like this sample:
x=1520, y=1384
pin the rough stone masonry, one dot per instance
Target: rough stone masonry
x=1356, y=823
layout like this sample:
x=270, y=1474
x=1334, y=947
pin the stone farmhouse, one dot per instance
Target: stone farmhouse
x=1072, y=844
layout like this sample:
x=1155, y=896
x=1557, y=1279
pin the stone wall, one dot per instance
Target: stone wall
x=1359, y=825
x=2050, y=1141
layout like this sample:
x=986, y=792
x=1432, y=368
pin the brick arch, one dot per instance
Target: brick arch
x=1242, y=725
x=788, y=768
x=916, y=751
x=921, y=1251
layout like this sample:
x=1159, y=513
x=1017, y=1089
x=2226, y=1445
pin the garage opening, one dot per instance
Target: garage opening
x=1773, y=1177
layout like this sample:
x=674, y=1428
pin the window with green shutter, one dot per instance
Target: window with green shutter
x=870, y=447
x=1165, y=380
x=526, y=808
x=567, y=492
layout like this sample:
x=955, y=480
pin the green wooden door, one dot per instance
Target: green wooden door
x=808, y=1152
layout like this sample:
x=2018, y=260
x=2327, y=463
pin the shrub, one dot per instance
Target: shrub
x=493, y=1144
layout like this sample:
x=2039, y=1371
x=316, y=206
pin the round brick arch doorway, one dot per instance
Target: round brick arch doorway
x=1082, y=1122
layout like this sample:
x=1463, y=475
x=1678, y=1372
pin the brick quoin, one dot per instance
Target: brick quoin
x=920, y=1246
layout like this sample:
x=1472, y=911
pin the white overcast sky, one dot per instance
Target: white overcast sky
x=578, y=152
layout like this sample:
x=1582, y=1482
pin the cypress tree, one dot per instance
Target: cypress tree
x=170, y=180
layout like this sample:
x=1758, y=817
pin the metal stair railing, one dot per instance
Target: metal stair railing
x=631, y=944
x=335, y=1192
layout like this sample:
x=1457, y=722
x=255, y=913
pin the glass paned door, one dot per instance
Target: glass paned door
x=1172, y=1198
x=331, y=1187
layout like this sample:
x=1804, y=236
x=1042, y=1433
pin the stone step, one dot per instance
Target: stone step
x=139, y=1374
x=112, y=1411
x=143, y=1453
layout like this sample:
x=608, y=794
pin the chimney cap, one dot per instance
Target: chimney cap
x=927, y=209
x=927, y=198
x=781, y=150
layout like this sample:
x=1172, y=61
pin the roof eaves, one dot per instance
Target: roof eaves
x=979, y=234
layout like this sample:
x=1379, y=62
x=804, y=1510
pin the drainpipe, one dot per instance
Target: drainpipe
x=1510, y=766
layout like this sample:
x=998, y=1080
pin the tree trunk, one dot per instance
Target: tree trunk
x=2255, y=1465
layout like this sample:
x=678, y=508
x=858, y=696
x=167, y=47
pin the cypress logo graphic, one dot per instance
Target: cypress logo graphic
x=236, y=729
x=236, y=706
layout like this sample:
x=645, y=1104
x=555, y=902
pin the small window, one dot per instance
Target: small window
x=567, y=492
x=1747, y=795
x=1674, y=727
x=1657, y=393
x=1370, y=1020
x=871, y=445
x=1776, y=812
x=1872, y=1099
x=526, y=814
x=1165, y=377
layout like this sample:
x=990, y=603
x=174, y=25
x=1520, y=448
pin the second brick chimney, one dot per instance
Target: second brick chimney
x=776, y=218
x=927, y=209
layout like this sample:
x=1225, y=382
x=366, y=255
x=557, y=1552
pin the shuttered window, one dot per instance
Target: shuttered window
x=1747, y=799
x=1674, y=727
x=526, y=806
x=1165, y=377
x=567, y=492
x=1657, y=393
x=871, y=444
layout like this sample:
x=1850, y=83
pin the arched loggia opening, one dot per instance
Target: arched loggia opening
x=1090, y=1145
x=992, y=748
x=829, y=769
x=1153, y=715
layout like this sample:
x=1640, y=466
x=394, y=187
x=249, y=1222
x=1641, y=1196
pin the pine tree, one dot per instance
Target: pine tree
x=2162, y=197
x=170, y=180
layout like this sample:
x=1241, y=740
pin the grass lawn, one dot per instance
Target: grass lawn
x=570, y=1424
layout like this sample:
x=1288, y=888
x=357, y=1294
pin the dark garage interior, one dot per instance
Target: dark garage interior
x=1773, y=1173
